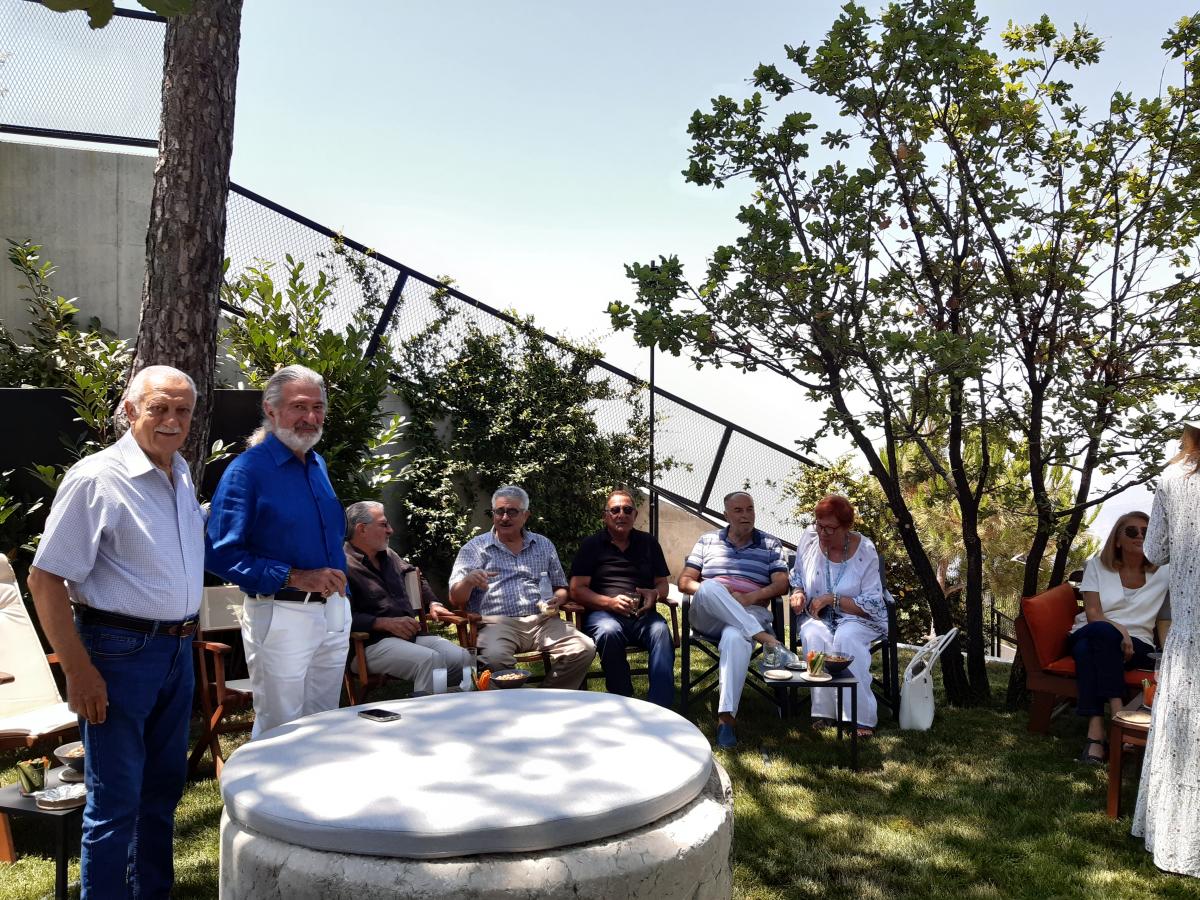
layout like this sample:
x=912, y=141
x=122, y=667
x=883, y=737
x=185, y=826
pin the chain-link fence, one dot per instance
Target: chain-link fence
x=61, y=79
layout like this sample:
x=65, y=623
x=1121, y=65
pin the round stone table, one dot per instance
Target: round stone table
x=519, y=793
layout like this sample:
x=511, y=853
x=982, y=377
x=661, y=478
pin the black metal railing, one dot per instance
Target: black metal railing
x=64, y=81
x=1002, y=628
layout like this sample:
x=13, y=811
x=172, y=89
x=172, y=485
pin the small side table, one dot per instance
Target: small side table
x=13, y=804
x=1127, y=727
x=844, y=683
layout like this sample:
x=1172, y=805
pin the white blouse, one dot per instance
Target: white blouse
x=858, y=578
x=1135, y=608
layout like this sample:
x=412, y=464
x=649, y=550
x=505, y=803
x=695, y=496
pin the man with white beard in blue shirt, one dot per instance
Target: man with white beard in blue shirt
x=275, y=530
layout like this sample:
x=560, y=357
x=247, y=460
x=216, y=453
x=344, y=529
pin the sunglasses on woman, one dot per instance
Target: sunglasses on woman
x=1133, y=531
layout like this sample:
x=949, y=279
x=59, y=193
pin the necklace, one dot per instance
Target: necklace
x=831, y=586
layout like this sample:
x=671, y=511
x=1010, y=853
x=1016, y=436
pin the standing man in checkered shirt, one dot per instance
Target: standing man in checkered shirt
x=117, y=581
x=503, y=575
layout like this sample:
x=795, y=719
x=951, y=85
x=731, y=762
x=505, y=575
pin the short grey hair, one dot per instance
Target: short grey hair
x=511, y=492
x=142, y=381
x=733, y=494
x=360, y=513
x=273, y=392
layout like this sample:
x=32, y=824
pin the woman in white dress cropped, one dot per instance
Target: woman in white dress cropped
x=1123, y=595
x=1168, y=804
x=838, y=596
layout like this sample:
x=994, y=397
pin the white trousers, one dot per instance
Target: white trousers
x=716, y=614
x=296, y=663
x=852, y=638
x=415, y=660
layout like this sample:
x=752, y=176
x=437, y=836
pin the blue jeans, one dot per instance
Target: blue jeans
x=136, y=761
x=612, y=634
x=1100, y=665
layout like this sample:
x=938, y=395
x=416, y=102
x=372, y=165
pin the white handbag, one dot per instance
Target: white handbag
x=916, y=693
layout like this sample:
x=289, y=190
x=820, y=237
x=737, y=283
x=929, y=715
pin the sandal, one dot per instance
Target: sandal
x=865, y=731
x=1086, y=756
x=820, y=724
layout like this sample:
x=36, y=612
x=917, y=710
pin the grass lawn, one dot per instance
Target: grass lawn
x=974, y=808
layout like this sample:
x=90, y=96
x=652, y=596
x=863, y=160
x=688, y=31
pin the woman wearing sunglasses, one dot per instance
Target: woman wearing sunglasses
x=1123, y=595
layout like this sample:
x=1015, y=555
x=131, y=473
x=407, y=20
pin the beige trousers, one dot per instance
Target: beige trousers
x=571, y=652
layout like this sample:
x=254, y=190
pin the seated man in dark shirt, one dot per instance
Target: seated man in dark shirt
x=381, y=606
x=618, y=575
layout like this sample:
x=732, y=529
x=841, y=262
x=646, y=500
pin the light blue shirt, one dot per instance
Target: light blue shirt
x=522, y=579
x=124, y=538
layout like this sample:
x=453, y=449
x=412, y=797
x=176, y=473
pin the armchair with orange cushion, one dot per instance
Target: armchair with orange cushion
x=1042, y=629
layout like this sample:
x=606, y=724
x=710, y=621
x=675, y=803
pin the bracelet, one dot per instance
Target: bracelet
x=287, y=579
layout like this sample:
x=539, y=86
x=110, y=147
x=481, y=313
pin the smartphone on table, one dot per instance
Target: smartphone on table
x=379, y=715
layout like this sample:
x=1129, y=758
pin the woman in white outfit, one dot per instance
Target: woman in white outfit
x=1168, y=804
x=838, y=597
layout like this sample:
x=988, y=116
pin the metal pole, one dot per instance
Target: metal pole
x=653, y=492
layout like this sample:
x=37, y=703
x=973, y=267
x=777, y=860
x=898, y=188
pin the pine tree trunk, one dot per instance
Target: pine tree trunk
x=185, y=243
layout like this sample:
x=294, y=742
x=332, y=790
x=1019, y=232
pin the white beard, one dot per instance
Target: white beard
x=295, y=442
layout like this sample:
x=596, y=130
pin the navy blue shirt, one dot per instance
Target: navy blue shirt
x=272, y=512
x=615, y=571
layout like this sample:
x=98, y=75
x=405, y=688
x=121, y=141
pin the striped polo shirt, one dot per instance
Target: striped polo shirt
x=715, y=557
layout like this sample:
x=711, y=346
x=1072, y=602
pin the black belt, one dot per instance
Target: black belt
x=91, y=616
x=294, y=596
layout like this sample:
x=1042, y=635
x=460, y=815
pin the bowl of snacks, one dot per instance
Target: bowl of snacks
x=71, y=755
x=509, y=678
x=836, y=664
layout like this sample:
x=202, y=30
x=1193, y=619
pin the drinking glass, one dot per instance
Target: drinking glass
x=470, y=659
x=439, y=681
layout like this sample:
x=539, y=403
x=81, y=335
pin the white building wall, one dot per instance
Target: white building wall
x=89, y=209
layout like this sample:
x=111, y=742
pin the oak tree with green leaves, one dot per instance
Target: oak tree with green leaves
x=981, y=261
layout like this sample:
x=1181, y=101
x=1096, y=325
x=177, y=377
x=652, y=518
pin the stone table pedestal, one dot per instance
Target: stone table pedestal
x=505, y=794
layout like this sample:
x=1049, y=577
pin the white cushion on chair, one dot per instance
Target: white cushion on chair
x=33, y=687
x=44, y=720
x=463, y=774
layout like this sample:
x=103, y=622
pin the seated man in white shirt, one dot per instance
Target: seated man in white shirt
x=734, y=574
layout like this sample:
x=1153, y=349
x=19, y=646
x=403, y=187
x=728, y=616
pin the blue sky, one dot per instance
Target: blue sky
x=530, y=149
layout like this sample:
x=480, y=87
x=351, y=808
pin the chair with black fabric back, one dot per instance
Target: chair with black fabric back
x=695, y=685
x=219, y=697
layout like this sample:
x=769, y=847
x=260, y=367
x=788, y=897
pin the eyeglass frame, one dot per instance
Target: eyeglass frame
x=617, y=510
x=1137, y=531
x=505, y=512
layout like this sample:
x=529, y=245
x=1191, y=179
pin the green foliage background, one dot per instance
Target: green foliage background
x=511, y=407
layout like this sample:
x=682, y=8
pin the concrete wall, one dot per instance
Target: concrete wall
x=89, y=210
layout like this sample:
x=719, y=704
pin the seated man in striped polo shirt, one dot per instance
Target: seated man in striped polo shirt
x=733, y=574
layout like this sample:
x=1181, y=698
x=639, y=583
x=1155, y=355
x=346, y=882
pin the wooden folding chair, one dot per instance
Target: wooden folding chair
x=218, y=696
x=576, y=615
x=32, y=710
